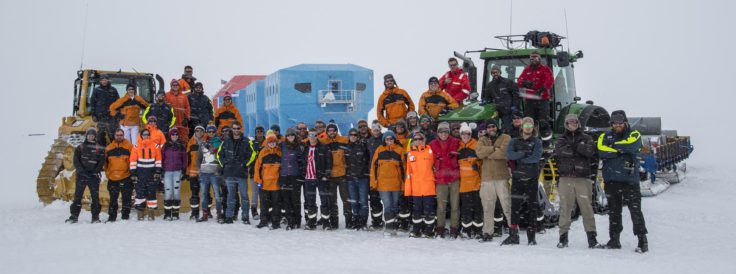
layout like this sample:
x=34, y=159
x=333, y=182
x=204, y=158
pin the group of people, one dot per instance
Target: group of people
x=402, y=171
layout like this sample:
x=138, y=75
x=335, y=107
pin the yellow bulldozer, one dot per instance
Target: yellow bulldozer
x=57, y=175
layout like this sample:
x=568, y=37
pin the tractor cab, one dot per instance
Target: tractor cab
x=88, y=80
x=512, y=60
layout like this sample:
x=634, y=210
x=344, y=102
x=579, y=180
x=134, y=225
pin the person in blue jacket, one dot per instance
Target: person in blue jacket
x=526, y=152
x=619, y=150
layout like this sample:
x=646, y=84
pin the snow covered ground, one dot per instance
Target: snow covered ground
x=690, y=229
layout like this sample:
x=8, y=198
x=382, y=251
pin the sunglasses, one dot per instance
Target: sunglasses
x=329, y=130
x=572, y=122
x=119, y=135
x=419, y=139
x=312, y=135
x=362, y=126
x=354, y=135
x=302, y=128
x=465, y=133
x=527, y=126
x=228, y=99
x=617, y=123
x=491, y=126
x=389, y=138
x=453, y=65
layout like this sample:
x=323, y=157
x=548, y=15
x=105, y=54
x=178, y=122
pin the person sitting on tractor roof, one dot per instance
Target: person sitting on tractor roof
x=187, y=81
x=394, y=103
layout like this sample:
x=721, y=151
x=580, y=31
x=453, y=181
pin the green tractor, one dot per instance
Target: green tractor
x=665, y=150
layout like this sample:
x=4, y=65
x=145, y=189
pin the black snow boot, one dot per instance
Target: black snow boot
x=349, y=221
x=486, y=237
x=614, y=243
x=111, y=219
x=643, y=245
x=168, y=205
x=563, y=241
x=228, y=220
x=72, y=220
x=254, y=212
x=531, y=236
x=264, y=223
x=454, y=232
x=96, y=219
x=592, y=241
x=175, y=210
x=513, y=238
x=334, y=222
x=245, y=220
x=416, y=230
x=195, y=212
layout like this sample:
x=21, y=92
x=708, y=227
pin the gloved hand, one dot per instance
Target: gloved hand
x=541, y=90
x=157, y=176
x=444, y=111
x=260, y=186
x=183, y=176
x=619, y=152
x=527, y=84
x=134, y=178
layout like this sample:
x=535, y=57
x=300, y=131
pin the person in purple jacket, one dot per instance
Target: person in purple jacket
x=174, y=161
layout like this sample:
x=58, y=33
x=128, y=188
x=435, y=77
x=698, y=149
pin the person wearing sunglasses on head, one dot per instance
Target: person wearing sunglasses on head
x=129, y=109
x=394, y=103
x=525, y=151
x=535, y=84
x=455, y=82
x=227, y=114
x=619, y=149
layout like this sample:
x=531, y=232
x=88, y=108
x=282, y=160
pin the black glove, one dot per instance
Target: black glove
x=541, y=90
x=157, y=176
x=527, y=84
x=619, y=152
x=184, y=177
x=134, y=178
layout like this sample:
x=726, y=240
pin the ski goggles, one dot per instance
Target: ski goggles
x=527, y=126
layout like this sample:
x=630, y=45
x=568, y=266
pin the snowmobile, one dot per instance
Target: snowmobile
x=664, y=153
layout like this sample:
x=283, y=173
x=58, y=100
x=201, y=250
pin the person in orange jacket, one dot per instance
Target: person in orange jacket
x=192, y=171
x=180, y=103
x=419, y=185
x=455, y=82
x=157, y=136
x=227, y=114
x=117, y=171
x=145, y=165
x=471, y=210
x=394, y=103
x=129, y=107
x=268, y=168
x=387, y=177
x=338, y=183
x=436, y=101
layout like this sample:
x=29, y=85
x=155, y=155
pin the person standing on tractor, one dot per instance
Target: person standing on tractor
x=494, y=177
x=174, y=161
x=419, y=185
x=187, y=81
x=504, y=93
x=145, y=165
x=236, y=155
x=129, y=109
x=447, y=176
x=526, y=151
x=435, y=101
x=227, y=114
x=394, y=103
x=179, y=102
x=201, y=107
x=471, y=210
x=536, y=87
x=575, y=151
x=162, y=111
x=117, y=171
x=387, y=177
x=619, y=149
x=102, y=97
x=455, y=82
x=89, y=158
x=358, y=163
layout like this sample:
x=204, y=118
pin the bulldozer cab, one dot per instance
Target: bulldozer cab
x=88, y=80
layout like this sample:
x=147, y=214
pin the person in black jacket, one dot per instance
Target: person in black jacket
x=619, y=150
x=89, y=158
x=504, y=93
x=318, y=167
x=526, y=151
x=358, y=173
x=201, y=108
x=162, y=111
x=290, y=178
x=236, y=155
x=374, y=199
x=102, y=97
x=575, y=152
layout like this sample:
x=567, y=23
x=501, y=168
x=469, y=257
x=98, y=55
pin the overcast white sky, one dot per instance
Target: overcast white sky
x=652, y=58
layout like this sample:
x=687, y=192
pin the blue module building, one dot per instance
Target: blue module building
x=310, y=92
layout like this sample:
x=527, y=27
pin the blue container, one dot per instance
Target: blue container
x=254, y=112
x=310, y=92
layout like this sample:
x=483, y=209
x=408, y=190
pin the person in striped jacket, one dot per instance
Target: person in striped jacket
x=145, y=167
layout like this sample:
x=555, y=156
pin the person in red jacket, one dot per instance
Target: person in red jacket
x=455, y=82
x=447, y=178
x=535, y=85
